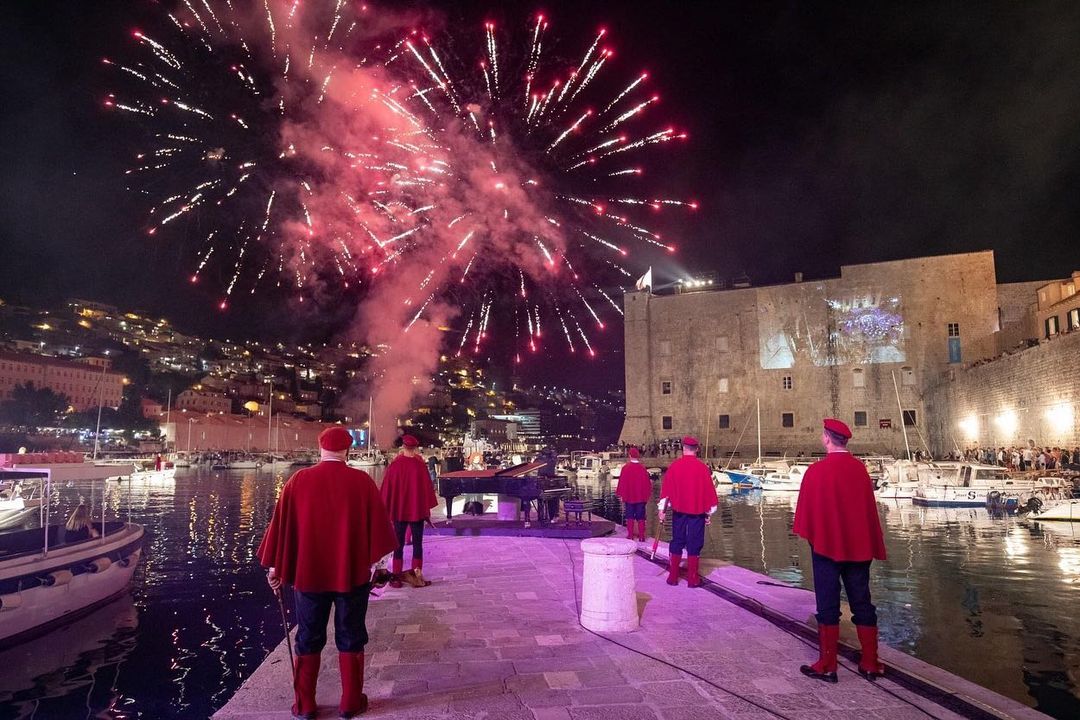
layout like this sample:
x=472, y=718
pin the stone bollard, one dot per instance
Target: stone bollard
x=608, y=599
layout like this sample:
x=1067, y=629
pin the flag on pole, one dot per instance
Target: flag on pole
x=645, y=281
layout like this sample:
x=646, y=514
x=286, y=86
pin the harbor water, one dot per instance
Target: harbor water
x=992, y=600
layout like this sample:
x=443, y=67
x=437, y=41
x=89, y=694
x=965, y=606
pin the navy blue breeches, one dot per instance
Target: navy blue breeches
x=350, y=620
x=687, y=531
x=417, y=528
x=828, y=574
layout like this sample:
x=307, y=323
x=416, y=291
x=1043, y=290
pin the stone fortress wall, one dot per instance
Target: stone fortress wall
x=699, y=362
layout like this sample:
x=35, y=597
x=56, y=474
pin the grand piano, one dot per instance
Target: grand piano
x=531, y=482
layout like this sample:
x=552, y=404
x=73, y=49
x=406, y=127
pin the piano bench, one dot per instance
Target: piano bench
x=578, y=508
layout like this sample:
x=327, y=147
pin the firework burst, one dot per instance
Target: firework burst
x=304, y=142
x=474, y=180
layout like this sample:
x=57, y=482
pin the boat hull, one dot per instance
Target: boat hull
x=1065, y=512
x=29, y=607
x=743, y=480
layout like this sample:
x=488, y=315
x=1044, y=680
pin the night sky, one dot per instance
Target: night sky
x=821, y=134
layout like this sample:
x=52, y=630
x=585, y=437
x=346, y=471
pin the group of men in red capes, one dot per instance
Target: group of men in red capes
x=836, y=513
x=330, y=527
x=689, y=490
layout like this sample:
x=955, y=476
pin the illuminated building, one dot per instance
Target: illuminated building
x=847, y=347
x=83, y=382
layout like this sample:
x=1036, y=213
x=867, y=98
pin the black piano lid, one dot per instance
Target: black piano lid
x=516, y=471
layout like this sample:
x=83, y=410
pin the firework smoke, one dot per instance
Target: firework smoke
x=332, y=146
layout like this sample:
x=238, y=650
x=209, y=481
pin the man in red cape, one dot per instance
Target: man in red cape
x=688, y=486
x=328, y=529
x=409, y=496
x=837, y=514
x=635, y=489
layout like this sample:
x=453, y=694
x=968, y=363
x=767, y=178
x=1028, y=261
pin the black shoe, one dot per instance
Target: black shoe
x=808, y=671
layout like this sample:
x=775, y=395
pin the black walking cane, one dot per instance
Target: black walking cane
x=288, y=637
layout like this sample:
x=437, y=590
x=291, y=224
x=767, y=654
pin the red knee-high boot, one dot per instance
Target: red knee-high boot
x=641, y=530
x=869, y=666
x=692, y=577
x=395, y=568
x=353, y=700
x=630, y=529
x=673, y=569
x=307, y=675
x=825, y=667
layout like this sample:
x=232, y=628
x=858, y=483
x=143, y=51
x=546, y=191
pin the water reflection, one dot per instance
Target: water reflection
x=198, y=620
x=76, y=672
x=990, y=599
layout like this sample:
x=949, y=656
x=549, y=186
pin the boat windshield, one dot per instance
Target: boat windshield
x=990, y=474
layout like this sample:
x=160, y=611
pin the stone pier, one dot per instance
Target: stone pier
x=496, y=637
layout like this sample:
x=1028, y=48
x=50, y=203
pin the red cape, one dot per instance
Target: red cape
x=407, y=489
x=837, y=512
x=329, y=528
x=688, y=485
x=635, y=485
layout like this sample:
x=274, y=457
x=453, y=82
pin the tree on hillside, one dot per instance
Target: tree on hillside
x=29, y=406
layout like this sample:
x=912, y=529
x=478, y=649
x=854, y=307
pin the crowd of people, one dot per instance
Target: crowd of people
x=1030, y=457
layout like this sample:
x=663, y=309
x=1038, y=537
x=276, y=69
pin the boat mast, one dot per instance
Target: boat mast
x=370, y=420
x=270, y=419
x=101, y=400
x=759, y=430
x=903, y=425
x=168, y=417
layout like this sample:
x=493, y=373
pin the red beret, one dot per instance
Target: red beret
x=835, y=426
x=409, y=441
x=335, y=439
x=690, y=441
x=633, y=452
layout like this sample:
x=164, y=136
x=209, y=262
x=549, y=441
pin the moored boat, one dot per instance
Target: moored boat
x=965, y=485
x=789, y=480
x=365, y=460
x=47, y=580
x=1063, y=511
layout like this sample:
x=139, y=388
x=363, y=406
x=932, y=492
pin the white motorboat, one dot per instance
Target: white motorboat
x=965, y=485
x=245, y=464
x=790, y=480
x=17, y=503
x=365, y=460
x=588, y=466
x=47, y=581
x=1064, y=511
x=900, y=479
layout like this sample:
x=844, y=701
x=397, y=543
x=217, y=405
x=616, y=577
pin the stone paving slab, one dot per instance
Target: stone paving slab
x=496, y=637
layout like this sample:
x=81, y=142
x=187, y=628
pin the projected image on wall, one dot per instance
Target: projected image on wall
x=806, y=325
